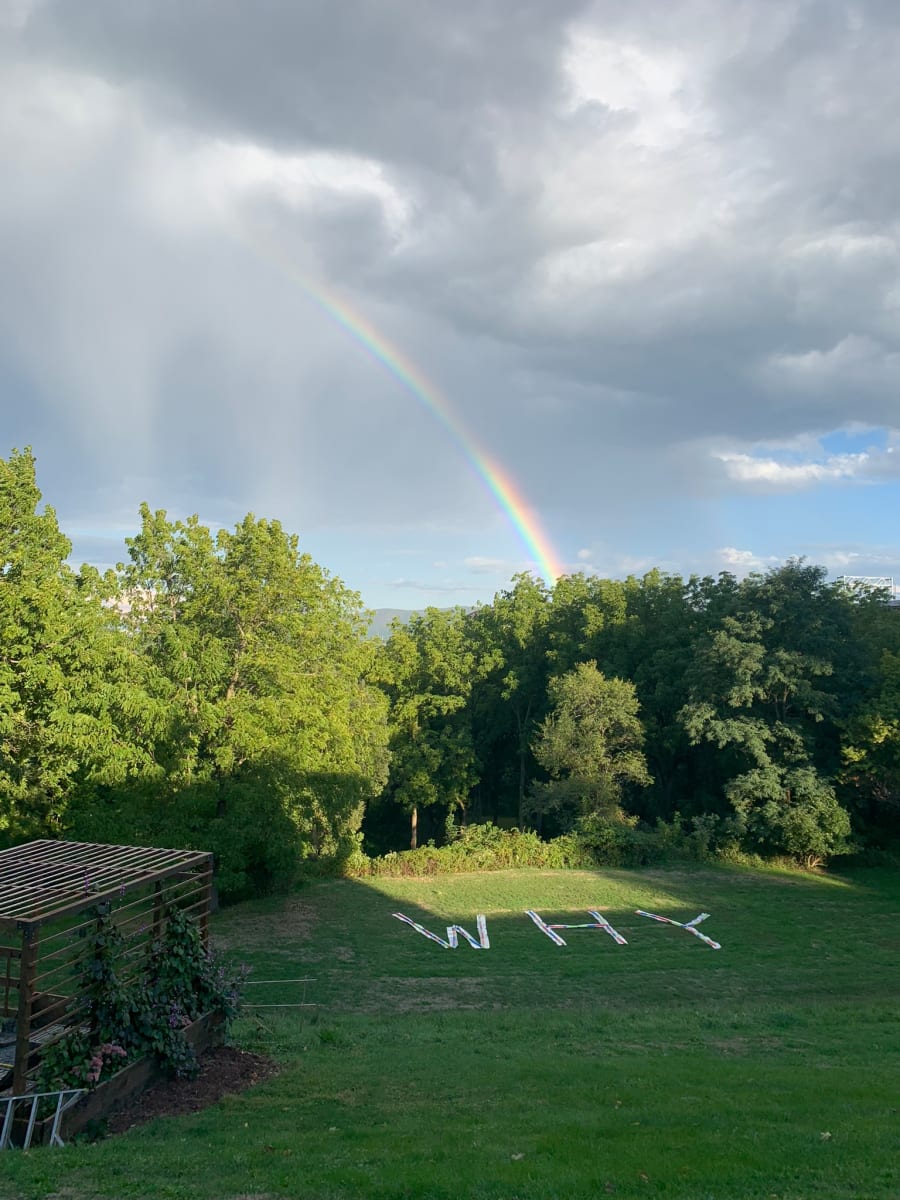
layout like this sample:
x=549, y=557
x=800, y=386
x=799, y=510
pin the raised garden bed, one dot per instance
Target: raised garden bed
x=120, y=1089
x=52, y=894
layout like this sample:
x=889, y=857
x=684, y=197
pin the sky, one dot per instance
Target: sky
x=459, y=290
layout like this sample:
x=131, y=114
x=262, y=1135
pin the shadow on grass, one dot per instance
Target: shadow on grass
x=774, y=936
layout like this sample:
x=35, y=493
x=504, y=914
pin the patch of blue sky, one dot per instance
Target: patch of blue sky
x=784, y=523
x=99, y=532
x=854, y=441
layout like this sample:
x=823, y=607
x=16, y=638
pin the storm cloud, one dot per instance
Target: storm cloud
x=647, y=253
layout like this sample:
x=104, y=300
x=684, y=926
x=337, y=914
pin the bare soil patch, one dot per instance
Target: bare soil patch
x=223, y=1072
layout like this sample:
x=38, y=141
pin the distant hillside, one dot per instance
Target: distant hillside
x=381, y=622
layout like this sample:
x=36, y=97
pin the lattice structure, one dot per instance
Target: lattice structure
x=885, y=582
x=49, y=893
x=881, y=583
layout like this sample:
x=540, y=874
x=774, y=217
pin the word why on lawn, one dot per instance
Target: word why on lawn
x=599, y=922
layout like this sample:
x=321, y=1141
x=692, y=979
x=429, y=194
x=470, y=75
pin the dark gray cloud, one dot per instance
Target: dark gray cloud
x=428, y=85
x=629, y=243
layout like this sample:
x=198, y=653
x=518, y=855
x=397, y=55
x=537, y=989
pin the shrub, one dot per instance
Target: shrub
x=474, y=848
x=597, y=840
x=618, y=841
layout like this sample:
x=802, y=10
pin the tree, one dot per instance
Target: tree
x=871, y=773
x=590, y=744
x=586, y=615
x=430, y=666
x=275, y=734
x=762, y=694
x=65, y=692
x=511, y=699
x=649, y=638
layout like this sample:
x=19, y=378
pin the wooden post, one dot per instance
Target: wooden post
x=207, y=902
x=9, y=979
x=27, y=968
x=156, y=927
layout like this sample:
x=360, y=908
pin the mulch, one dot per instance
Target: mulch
x=223, y=1072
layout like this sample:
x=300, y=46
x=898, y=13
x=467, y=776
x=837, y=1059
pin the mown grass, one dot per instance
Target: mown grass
x=768, y=1069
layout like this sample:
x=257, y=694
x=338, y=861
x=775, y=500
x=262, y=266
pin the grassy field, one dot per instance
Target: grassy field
x=662, y=1068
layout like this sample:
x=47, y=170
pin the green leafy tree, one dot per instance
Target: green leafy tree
x=511, y=698
x=590, y=744
x=586, y=620
x=871, y=773
x=69, y=714
x=644, y=630
x=430, y=666
x=275, y=734
x=762, y=695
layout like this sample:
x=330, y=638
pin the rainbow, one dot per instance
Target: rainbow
x=510, y=499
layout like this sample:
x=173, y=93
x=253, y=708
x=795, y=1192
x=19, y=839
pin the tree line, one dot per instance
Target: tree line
x=221, y=691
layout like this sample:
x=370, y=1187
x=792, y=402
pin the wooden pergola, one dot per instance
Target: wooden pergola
x=47, y=892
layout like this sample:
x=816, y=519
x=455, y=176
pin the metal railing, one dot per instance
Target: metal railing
x=64, y=1100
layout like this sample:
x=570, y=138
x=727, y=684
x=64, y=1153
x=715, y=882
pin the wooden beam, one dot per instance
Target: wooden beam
x=27, y=965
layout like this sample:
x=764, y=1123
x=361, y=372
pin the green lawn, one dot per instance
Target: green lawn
x=661, y=1068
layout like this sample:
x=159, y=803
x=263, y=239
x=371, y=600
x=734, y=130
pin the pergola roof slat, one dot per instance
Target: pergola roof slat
x=80, y=855
x=43, y=880
x=65, y=875
x=57, y=876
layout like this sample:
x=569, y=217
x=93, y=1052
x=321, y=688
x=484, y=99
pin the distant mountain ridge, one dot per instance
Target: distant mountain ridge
x=381, y=621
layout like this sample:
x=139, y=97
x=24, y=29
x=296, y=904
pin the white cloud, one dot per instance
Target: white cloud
x=866, y=560
x=794, y=465
x=610, y=565
x=854, y=359
x=745, y=560
x=775, y=475
x=649, y=257
x=437, y=589
x=651, y=85
x=188, y=182
x=860, y=561
x=634, y=564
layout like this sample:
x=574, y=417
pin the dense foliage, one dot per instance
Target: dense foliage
x=756, y=716
x=213, y=692
x=220, y=691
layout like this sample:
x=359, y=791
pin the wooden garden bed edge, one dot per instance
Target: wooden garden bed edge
x=117, y=1091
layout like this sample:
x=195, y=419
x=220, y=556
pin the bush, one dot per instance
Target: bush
x=596, y=841
x=266, y=825
x=619, y=841
x=475, y=848
x=790, y=811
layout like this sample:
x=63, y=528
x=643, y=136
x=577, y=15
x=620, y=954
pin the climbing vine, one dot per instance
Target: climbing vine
x=128, y=1016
